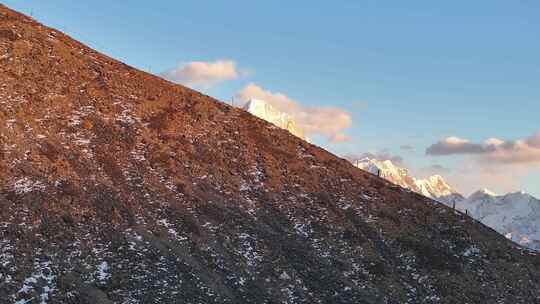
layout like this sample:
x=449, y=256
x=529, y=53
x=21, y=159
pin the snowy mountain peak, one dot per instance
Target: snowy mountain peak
x=515, y=215
x=488, y=192
x=437, y=178
x=439, y=182
x=434, y=186
x=264, y=110
x=482, y=193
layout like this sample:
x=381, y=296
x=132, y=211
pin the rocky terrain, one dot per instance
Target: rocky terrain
x=119, y=187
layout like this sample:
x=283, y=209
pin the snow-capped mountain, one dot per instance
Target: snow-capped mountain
x=265, y=111
x=434, y=186
x=515, y=215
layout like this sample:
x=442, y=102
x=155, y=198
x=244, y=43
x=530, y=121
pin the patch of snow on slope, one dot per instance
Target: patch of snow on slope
x=41, y=282
x=25, y=185
x=103, y=272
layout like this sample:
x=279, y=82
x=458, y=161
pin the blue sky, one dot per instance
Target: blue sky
x=408, y=72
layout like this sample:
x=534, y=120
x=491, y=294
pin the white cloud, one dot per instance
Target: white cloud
x=492, y=150
x=493, y=163
x=200, y=73
x=455, y=140
x=455, y=145
x=327, y=121
x=493, y=141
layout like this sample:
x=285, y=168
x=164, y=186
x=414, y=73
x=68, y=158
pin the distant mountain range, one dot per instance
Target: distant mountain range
x=515, y=215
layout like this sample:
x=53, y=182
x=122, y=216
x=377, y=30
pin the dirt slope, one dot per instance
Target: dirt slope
x=119, y=187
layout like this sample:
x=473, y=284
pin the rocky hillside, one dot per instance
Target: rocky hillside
x=119, y=187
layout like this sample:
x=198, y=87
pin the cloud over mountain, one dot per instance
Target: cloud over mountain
x=201, y=73
x=520, y=151
x=456, y=145
x=329, y=122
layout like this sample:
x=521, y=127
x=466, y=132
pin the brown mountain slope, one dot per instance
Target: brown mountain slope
x=119, y=187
